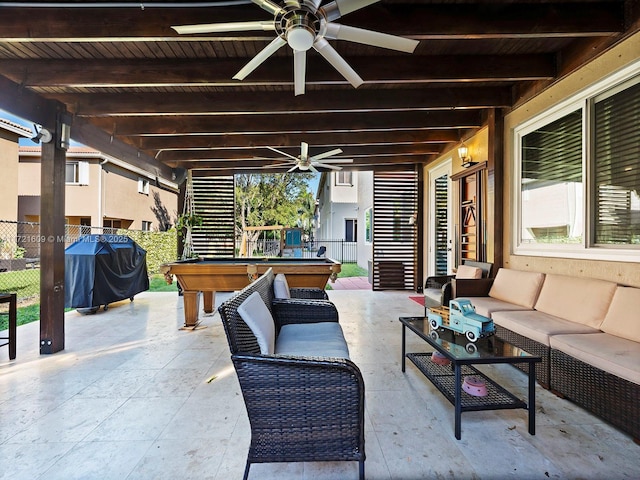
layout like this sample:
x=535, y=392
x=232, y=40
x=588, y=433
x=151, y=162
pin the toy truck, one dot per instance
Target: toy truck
x=461, y=317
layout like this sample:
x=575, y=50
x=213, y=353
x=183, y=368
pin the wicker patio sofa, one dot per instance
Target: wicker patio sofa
x=586, y=331
x=303, y=405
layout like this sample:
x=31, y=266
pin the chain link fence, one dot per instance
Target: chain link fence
x=20, y=253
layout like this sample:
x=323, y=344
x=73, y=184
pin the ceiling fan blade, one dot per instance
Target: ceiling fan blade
x=284, y=154
x=334, y=58
x=337, y=160
x=330, y=153
x=269, y=6
x=299, y=69
x=325, y=165
x=315, y=4
x=369, y=37
x=339, y=8
x=261, y=56
x=225, y=27
x=304, y=151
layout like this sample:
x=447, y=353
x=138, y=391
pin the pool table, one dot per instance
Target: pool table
x=229, y=274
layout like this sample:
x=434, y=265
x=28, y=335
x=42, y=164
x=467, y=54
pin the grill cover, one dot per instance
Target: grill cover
x=100, y=269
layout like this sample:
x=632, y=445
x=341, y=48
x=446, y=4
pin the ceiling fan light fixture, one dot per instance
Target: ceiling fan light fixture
x=300, y=38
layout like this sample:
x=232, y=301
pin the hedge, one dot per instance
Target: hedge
x=161, y=247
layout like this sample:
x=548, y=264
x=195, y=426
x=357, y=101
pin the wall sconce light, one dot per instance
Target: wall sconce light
x=42, y=135
x=65, y=136
x=465, y=157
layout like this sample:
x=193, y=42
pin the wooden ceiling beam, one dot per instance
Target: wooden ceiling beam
x=278, y=70
x=212, y=103
x=294, y=123
x=279, y=163
x=181, y=142
x=349, y=151
x=441, y=21
x=90, y=135
x=382, y=166
x=26, y=104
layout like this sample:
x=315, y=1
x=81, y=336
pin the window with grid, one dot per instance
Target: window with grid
x=578, y=175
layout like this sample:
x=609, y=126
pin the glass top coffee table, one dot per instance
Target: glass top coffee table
x=453, y=363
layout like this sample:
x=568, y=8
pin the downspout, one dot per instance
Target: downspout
x=101, y=193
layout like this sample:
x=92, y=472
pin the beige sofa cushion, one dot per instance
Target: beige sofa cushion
x=615, y=355
x=623, y=317
x=486, y=306
x=516, y=286
x=538, y=326
x=580, y=300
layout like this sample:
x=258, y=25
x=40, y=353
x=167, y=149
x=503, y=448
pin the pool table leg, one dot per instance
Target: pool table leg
x=190, y=309
x=209, y=297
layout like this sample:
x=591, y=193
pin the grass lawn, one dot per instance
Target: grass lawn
x=157, y=283
x=26, y=283
x=352, y=270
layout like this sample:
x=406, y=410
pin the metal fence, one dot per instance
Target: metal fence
x=340, y=250
x=20, y=254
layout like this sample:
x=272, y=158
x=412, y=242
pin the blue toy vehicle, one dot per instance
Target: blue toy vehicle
x=461, y=317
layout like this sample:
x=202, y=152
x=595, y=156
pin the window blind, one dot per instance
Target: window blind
x=616, y=164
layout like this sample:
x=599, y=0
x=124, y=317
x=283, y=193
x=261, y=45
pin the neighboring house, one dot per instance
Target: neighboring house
x=101, y=191
x=10, y=134
x=344, y=212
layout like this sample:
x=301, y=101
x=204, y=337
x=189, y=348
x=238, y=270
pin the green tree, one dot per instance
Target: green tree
x=271, y=199
x=306, y=213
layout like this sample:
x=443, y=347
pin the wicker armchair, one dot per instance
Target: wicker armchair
x=301, y=409
x=439, y=289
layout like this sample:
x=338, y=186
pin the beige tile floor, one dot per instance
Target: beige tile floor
x=129, y=398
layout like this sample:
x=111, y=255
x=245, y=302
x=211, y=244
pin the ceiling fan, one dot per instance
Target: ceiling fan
x=303, y=24
x=304, y=162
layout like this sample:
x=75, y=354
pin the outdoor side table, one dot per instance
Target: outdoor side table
x=11, y=299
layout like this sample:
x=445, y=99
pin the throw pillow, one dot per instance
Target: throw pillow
x=281, y=287
x=258, y=318
x=466, y=271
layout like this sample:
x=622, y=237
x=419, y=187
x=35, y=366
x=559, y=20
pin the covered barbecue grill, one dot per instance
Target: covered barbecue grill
x=101, y=269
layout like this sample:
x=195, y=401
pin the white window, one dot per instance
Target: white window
x=146, y=226
x=71, y=173
x=143, y=185
x=77, y=173
x=344, y=177
x=577, y=190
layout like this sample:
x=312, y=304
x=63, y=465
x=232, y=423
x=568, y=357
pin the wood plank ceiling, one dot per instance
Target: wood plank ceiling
x=139, y=91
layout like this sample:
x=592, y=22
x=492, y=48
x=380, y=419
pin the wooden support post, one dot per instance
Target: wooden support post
x=495, y=190
x=52, y=234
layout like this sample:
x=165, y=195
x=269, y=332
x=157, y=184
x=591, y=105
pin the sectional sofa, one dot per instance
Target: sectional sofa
x=586, y=330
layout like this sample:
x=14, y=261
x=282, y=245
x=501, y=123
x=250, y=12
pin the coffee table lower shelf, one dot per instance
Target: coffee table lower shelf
x=444, y=379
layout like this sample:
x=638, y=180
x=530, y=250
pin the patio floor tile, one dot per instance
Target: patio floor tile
x=134, y=397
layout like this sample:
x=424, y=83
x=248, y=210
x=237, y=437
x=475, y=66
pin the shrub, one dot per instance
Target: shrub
x=161, y=247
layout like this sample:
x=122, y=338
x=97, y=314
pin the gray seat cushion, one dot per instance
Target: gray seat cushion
x=323, y=339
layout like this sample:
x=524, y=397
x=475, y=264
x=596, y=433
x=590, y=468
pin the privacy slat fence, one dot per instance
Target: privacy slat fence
x=214, y=200
x=395, y=203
